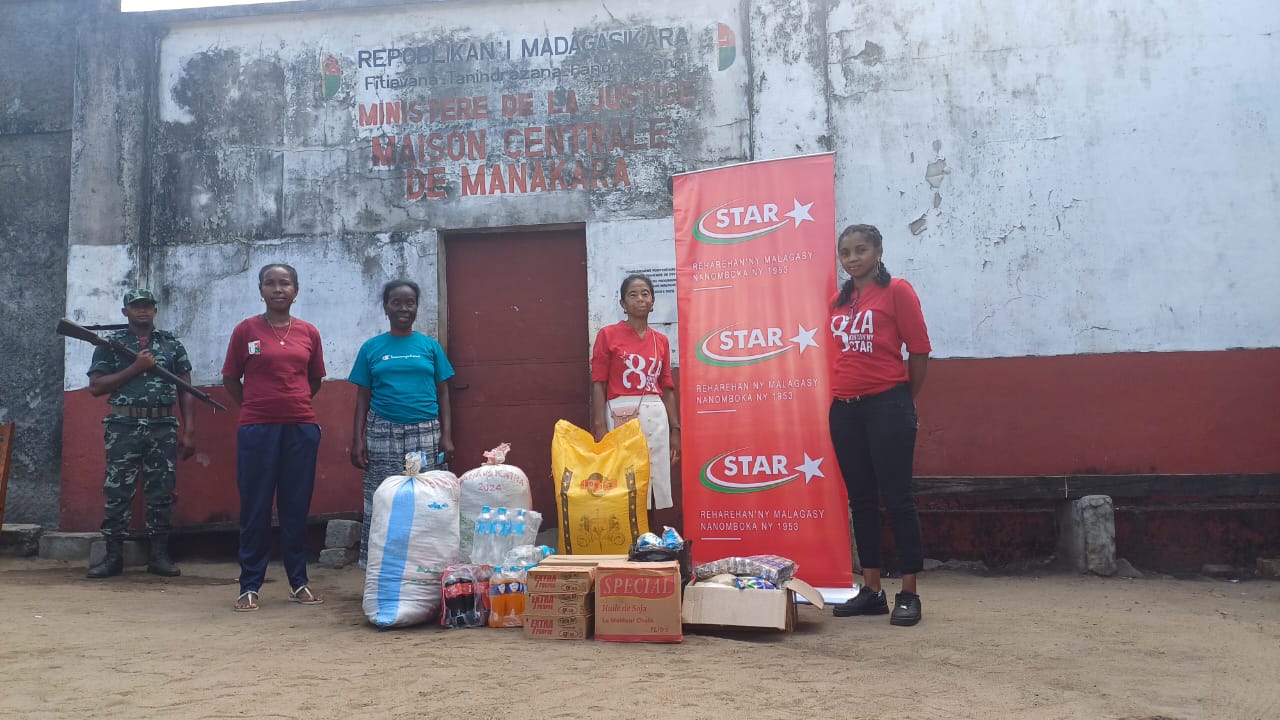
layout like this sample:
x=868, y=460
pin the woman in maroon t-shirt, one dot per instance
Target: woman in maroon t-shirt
x=873, y=415
x=274, y=366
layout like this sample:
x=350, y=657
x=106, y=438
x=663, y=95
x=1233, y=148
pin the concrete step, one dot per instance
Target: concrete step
x=343, y=534
x=136, y=552
x=339, y=557
x=68, y=546
x=20, y=540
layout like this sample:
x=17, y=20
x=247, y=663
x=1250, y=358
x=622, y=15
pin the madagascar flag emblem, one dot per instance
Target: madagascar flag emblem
x=331, y=76
x=726, y=46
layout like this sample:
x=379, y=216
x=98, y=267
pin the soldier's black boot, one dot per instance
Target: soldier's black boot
x=112, y=563
x=159, y=563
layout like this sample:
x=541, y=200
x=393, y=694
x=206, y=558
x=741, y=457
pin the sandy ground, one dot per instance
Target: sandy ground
x=989, y=647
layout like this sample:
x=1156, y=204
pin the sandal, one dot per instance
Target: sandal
x=304, y=596
x=250, y=599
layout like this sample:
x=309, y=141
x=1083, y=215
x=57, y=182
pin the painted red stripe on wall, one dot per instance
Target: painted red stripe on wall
x=1169, y=413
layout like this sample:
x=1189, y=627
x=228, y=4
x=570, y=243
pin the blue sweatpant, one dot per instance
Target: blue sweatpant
x=275, y=461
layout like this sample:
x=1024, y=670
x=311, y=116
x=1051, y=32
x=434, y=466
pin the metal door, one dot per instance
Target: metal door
x=517, y=337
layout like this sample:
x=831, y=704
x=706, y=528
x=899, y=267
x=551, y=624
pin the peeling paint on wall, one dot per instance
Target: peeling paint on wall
x=1078, y=101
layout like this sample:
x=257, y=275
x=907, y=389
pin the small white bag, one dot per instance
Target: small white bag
x=495, y=484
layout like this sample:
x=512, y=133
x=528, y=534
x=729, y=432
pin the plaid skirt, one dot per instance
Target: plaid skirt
x=387, y=443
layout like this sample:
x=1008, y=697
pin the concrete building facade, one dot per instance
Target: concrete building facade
x=1080, y=193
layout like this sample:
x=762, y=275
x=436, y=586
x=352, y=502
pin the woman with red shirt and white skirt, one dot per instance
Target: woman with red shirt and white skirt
x=873, y=415
x=630, y=373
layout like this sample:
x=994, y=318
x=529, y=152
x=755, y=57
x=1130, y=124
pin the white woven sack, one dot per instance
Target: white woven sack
x=413, y=537
x=495, y=484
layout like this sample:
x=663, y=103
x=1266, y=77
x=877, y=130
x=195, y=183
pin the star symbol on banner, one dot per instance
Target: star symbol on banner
x=805, y=338
x=810, y=468
x=799, y=213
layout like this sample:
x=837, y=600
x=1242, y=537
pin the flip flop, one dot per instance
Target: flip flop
x=304, y=596
x=252, y=604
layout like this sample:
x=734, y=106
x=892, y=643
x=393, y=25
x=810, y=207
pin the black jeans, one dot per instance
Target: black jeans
x=875, y=441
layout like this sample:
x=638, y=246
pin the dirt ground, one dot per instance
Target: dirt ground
x=989, y=647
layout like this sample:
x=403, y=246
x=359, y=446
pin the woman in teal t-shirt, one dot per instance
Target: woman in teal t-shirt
x=402, y=399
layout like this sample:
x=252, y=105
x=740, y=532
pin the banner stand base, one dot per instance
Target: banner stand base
x=832, y=596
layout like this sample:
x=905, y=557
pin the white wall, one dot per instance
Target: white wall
x=205, y=290
x=1110, y=181
x=615, y=250
x=1077, y=177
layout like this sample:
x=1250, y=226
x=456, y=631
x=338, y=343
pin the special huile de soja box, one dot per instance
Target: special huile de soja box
x=638, y=602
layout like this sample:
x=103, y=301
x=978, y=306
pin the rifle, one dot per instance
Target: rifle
x=69, y=329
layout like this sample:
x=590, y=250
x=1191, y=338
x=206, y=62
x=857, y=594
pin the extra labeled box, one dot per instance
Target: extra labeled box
x=558, y=604
x=570, y=627
x=638, y=602
x=711, y=604
x=561, y=579
x=580, y=560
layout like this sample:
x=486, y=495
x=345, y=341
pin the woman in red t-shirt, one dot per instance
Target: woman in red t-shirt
x=274, y=366
x=630, y=372
x=873, y=415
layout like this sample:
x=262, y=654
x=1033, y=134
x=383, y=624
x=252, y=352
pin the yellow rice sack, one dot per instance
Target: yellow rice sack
x=602, y=488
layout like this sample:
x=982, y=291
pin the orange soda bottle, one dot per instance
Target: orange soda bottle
x=498, y=598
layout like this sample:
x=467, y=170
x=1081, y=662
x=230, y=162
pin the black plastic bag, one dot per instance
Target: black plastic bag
x=683, y=555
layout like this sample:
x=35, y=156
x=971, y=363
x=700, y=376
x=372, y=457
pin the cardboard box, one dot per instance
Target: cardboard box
x=709, y=604
x=581, y=560
x=571, y=627
x=561, y=579
x=557, y=604
x=638, y=602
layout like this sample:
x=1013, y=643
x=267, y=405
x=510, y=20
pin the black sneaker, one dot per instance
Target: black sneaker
x=906, y=609
x=865, y=602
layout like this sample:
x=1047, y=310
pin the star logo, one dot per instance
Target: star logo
x=811, y=468
x=804, y=338
x=799, y=213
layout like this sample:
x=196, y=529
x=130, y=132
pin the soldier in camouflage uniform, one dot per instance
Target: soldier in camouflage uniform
x=142, y=433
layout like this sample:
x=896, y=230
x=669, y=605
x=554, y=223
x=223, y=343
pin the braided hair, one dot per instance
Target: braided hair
x=871, y=233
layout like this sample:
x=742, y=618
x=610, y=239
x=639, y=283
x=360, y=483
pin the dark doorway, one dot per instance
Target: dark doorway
x=516, y=319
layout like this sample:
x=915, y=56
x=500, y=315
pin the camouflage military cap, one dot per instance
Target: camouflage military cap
x=138, y=295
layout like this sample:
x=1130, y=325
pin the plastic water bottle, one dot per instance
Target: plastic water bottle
x=482, y=542
x=517, y=529
x=501, y=535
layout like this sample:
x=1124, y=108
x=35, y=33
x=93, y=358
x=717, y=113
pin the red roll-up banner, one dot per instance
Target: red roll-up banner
x=755, y=271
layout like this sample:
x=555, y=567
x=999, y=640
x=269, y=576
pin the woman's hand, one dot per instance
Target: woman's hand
x=599, y=428
x=446, y=446
x=599, y=411
x=675, y=446
x=359, y=452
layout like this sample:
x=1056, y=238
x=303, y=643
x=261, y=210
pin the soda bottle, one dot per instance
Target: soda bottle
x=474, y=614
x=516, y=592
x=483, y=538
x=458, y=595
x=497, y=598
x=484, y=581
